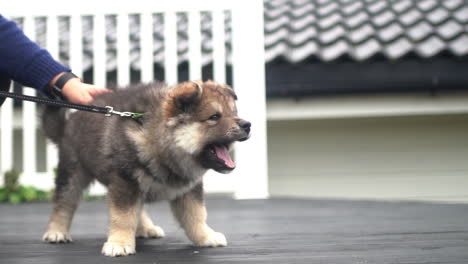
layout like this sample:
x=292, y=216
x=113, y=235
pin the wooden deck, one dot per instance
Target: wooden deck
x=258, y=231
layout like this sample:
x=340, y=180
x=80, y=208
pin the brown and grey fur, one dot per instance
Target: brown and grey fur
x=161, y=156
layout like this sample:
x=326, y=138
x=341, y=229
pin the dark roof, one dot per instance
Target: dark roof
x=321, y=47
x=363, y=29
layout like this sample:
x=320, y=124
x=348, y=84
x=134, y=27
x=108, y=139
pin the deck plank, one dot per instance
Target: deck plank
x=258, y=231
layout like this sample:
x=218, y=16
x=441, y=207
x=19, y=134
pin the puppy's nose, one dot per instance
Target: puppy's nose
x=245, y=125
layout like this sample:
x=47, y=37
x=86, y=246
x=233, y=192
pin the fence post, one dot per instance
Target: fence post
x=6, y=137
x=170, y=48
x=29, y=120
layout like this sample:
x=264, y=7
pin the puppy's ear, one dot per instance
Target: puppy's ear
x=187, y=95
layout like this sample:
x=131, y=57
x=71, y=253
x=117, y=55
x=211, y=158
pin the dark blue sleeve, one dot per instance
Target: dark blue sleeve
x=23, y=60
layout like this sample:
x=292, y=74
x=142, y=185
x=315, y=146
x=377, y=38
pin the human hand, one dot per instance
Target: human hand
x=81, y=93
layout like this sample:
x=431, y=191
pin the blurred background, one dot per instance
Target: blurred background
x=364, y=99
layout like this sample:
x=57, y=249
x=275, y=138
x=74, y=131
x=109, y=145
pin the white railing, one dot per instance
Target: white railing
x=249, y=180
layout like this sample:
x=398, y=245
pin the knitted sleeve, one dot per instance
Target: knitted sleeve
x=23, y=60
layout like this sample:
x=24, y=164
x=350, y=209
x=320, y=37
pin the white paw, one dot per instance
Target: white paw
x=52, y=236
x=150, y=232
x=213, y=239
x=115, y=249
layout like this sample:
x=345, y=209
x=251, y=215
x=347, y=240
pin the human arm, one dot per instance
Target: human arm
x=23, y=60
x=27, y=63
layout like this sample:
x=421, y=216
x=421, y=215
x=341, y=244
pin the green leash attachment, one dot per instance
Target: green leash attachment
x=137, y=115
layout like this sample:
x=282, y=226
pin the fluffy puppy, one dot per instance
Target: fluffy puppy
x=184, y=131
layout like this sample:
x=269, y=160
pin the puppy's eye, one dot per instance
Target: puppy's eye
x=215, y=117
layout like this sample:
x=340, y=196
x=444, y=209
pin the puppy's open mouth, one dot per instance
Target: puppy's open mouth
x=216, y=156
x=222, y=153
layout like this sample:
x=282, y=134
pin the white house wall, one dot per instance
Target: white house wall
x=412, y=157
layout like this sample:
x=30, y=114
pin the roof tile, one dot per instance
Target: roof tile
x=300, y=2
x=459, y=46
x=449, y=29
x=419, y=31
x=328, y=8
x=304, y=22
x=301, y=37
x=332, y=34
x=366, y=50
x=410, y=17
x=279, y=35
x=357, y=19
x=277, y=23
x=302, y=52
x=361, y=33
x=438, y=15
x=303, y=10
x=462, y=14
x=426, y=5
x=398, y=48
x=384, y=18
x=334, y=51
x=391, y=32
x=377, y=6
x=402, y=6
x=276, y=51
x=329, y=21
x=430, y=47
x=452, y=4
x=353, y=7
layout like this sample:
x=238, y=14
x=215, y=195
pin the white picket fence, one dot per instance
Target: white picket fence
x=250, y=179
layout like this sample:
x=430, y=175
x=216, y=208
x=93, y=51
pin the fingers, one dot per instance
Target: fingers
x=94, y=91
x=81, y=93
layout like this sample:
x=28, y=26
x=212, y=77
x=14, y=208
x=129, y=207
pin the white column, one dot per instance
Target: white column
x=249, y=83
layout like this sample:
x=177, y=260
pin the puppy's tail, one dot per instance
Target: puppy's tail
x=53, y=123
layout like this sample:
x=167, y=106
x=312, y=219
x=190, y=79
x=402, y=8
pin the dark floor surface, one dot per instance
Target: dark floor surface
x=258, y=231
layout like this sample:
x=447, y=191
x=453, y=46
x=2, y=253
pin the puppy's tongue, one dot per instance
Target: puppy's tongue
x=223, y=153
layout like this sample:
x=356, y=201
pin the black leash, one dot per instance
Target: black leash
x=107, y=110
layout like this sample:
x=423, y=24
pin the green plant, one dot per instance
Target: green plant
x=15, y=193
x=11, y=180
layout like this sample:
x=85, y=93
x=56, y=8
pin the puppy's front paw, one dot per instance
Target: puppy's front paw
x=116, y=249
x=212, y=239
x=53, y=236
x=153, y=231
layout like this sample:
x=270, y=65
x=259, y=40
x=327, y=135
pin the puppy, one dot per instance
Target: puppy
x=184, y=131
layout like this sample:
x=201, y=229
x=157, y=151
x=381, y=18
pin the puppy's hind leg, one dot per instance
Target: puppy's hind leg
x=146, y=228
x=69, y=186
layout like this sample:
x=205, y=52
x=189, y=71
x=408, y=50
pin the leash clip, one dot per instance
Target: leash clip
x=110, y=111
